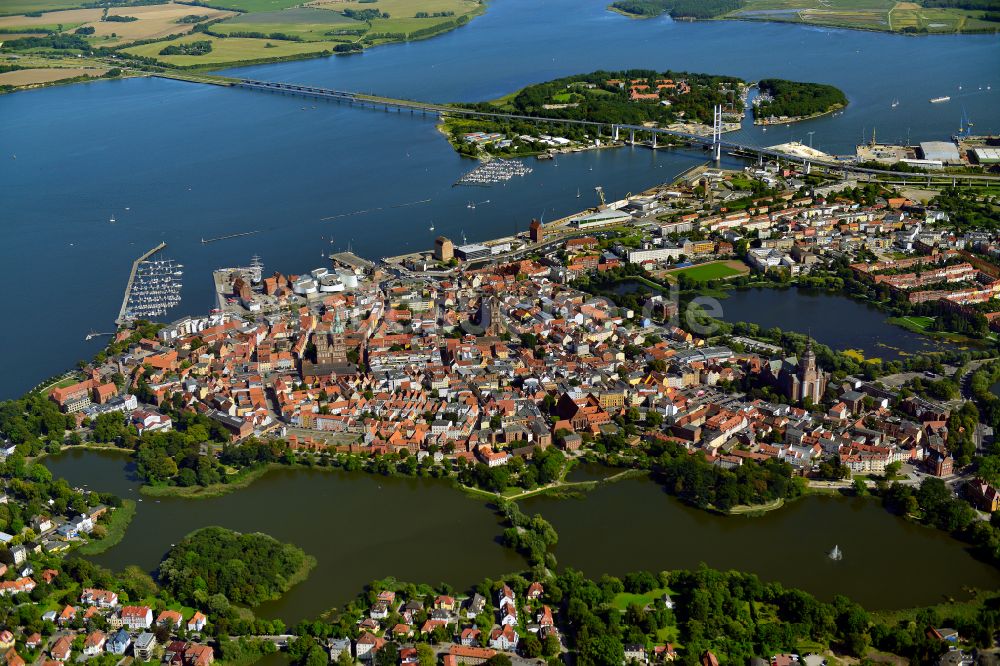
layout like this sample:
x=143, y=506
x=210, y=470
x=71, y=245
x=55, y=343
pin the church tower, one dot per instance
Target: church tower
x=338, y=347
x=812, y=380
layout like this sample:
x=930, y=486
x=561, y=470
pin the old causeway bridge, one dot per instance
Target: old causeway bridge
x=616, y=132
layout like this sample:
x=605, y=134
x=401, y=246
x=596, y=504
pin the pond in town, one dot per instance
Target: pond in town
x=836, y=321
x=633, y=524
x=361, y=527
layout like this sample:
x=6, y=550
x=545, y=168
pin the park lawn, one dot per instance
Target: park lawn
x=913, y=323
x=116, y=524
x=711, y=271
x=623, y=600
x=69, y=381
x=669, y=634
x=230, y=50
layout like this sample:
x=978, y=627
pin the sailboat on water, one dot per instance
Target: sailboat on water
x=836, y=554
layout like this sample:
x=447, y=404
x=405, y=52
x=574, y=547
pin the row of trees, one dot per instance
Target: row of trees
x=696, y=9
x=197, y=48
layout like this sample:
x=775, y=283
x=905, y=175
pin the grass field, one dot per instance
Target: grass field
x=622, y=600
x=116, y=525
x=712, y=271
x=915, y=324
x=230, y=50
x=307, y=23
x=256, y=5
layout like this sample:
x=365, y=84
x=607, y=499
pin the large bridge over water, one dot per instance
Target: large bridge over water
x=611, y=130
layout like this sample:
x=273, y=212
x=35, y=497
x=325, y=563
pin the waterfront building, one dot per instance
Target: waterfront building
x=472, y=251
x=537, y=231
x=444, y=249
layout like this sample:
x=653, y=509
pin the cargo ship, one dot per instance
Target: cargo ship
x=938, y=100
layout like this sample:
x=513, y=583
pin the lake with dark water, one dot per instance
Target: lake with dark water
x=178, y=162
x=836, y=321
x=361, y=527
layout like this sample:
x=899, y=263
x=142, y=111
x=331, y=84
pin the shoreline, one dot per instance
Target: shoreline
x=129, y=73
x=834, y=26
x=117, y=526
x=799, y=119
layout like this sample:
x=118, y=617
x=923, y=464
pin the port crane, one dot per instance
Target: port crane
x=964, y=124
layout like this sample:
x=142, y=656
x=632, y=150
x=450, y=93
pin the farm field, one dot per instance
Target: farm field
x=402, y=13
x=154, y=22
x=888, y=15
x=34, y=76
x=4, y=36
x=256, y=5
x=307, y=23
x=21, y=6
x=230, y=50
x=68, y=17
x=711, y=271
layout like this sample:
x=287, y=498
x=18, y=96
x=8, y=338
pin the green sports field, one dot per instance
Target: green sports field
x=711, y=271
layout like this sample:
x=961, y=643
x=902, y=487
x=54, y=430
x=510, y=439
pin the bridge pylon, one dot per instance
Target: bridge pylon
x=717, y=133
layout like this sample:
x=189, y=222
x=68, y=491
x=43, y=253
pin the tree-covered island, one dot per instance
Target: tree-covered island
x=673, y=100
x=246, y=568
x=783, y=101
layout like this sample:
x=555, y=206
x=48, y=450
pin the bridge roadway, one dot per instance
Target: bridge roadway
x=613, y=130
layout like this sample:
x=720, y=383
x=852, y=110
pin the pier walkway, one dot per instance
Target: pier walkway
x=131, y=280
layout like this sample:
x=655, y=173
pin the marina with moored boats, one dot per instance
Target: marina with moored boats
x=153, y=288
